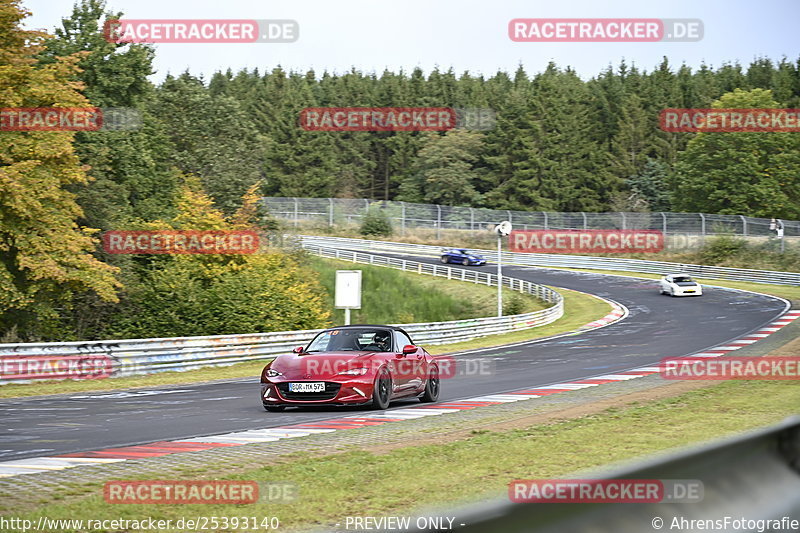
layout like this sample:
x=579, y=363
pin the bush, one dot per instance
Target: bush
x=376, y=223
x=188, y=296
x=721, y=248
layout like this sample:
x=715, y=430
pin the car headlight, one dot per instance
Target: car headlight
x=273, y=373
x=353, y=372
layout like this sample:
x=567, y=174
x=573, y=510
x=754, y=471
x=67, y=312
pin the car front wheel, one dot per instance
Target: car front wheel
x=431, y=393
x=382, y=390
x=465, y=262
x=444, y=260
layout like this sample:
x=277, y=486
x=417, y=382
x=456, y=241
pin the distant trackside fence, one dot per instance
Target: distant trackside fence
x=408, y=215
x=117, y=358
x=566, y=261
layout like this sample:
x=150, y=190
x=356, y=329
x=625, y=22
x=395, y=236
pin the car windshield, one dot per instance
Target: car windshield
x=352, y=339
x=682, y=279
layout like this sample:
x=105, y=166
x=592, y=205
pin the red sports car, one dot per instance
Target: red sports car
x=351, y=365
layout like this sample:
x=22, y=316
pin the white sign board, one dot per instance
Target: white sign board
x=348, y=289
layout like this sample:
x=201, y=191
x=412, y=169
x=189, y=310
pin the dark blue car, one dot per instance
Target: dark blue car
x=463, y=257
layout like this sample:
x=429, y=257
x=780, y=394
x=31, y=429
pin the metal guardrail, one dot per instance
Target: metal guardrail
x=754, y=477
x=119, y=358
x=570, y=261
x=407, y=215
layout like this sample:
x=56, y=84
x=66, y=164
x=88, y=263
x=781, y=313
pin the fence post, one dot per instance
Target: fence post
x=438, y=221
x=296, y=212
x=471, y=218
x=544, y=214
x=584, y=220
x=624, y=221
x=702, y=224
x=330, y=212
x=663, y=223
x=744, y=225
x=403, y=218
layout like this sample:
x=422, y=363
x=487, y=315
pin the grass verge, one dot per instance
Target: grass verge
x=579, y=308
x=363, y=483
x=395, y=297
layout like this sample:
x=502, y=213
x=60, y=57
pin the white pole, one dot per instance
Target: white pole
x=347, y=316
x=499, y=275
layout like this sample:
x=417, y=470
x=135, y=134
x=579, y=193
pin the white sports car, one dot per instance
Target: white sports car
x=680, y=285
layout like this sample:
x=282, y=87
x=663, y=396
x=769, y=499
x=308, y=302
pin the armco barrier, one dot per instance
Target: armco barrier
x=87, y=359
x=568, y=261
x=749, y=478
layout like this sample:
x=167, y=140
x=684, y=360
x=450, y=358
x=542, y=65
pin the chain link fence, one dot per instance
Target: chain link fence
x=405, y=215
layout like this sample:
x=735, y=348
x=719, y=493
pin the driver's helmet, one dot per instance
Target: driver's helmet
x=382, y=340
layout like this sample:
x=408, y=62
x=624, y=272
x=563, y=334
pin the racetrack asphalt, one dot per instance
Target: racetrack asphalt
x=657, y=327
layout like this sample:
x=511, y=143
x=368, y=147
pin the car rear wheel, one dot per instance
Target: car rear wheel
x=274, y=408
x=382, y=390
x=431, y=393
x=465, y=262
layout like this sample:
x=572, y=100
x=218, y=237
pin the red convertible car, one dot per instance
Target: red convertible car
x=351, y=365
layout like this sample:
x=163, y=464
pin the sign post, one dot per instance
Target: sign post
x=503, y=230
x=347, y=292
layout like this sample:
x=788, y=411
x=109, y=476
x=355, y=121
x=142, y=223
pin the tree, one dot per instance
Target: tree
x=652, y=185
x=45, y=256
x=444, y=172
x=213, y=137
x=756, y=174
x=131, y=170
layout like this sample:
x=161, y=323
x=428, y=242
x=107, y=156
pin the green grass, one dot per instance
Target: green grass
x=362, y=483
x=395, y=297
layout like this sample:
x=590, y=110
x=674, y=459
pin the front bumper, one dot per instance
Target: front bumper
x=346, y=392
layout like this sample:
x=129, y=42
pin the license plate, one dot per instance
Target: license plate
x=687, y=292
x=307, y=387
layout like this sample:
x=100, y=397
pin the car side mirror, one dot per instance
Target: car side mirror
x=299, y=349
x=409, y=349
